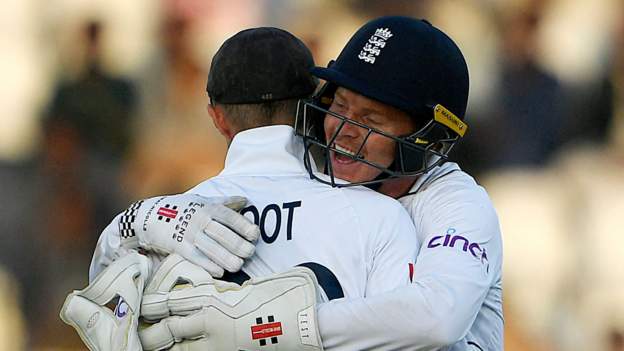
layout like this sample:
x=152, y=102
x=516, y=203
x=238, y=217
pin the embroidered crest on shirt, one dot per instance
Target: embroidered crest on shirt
x=374, y=45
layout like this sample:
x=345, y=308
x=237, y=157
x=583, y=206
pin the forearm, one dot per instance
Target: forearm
x=421, y=316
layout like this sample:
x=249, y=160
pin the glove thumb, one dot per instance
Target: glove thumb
x=235, y=203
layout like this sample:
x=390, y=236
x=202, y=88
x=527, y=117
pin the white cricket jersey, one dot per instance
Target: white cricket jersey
x=362, y=238
x=455, y=299
x=355, y=234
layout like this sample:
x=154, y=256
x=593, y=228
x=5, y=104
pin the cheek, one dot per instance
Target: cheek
x=381, y=150
x=329, y=126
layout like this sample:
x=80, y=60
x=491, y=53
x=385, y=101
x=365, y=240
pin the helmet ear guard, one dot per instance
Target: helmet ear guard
x=431, y=145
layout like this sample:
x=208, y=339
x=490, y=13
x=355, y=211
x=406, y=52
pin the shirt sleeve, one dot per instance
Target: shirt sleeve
x=460, y=252
x=395, y=248
x=107, y=249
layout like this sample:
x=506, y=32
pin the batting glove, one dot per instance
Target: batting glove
x=206, y=231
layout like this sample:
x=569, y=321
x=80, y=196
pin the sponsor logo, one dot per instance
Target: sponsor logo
x=167, y=212
x=149, y=213
x=184, y=220
x=446, y=117
x=122, y=309
x=266, y=331
x=450, y=240
x=373, y=46
x=93, y=320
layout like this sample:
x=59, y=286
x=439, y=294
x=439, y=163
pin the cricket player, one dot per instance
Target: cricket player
x=390, y=112
x=356, y=242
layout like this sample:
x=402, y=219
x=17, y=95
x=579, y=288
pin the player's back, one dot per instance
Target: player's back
x=357, y=241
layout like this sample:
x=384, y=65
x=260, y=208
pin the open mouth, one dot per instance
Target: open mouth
x=344, y=156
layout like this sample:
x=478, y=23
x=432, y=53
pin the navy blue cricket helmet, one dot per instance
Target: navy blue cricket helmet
x=405, y=63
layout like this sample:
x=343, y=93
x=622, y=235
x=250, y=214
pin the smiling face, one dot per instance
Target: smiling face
x=377, y=149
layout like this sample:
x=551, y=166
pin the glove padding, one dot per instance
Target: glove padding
x=100, y=328
x=206, y=231
x=201, y=313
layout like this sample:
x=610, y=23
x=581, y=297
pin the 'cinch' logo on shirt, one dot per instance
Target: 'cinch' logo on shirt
x=449, y=240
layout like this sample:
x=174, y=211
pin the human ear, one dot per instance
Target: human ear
x=220, y=122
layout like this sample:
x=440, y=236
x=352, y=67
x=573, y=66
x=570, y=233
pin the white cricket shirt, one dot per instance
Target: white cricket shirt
x=362, y=238
x=456, y=293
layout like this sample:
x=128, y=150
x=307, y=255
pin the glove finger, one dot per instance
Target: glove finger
x=181, y=302
x=155, y=306
x=163, y=334
x=199, y=258
x=218, y=254
x=190, y=300
x=156, y=336
x=235, y=221
x=188, y=327
x=229, y=240
x=202, y=344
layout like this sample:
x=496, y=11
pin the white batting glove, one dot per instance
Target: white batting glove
x=206, y=231
x=100, y=328
x=201, y=313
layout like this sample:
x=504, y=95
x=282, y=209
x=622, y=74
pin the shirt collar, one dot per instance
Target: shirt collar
x=265, y=150
x=424, y=180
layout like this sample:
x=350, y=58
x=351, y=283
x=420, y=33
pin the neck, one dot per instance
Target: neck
x=397, y=187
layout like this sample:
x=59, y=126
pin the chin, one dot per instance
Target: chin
x=349, y=177
x=358, y=175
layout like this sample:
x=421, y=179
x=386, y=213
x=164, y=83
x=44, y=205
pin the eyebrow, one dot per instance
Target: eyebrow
x=339, y=95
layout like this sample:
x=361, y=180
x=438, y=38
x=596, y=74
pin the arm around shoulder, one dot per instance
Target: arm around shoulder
x=457, y=266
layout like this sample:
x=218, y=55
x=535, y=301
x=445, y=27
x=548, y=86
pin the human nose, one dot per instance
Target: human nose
x=347, y=126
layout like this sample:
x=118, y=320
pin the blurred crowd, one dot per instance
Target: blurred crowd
x=105, y=103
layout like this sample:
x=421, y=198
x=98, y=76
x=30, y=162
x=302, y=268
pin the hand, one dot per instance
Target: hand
x=202, y=313
x=86, y=310
x=206, y=231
